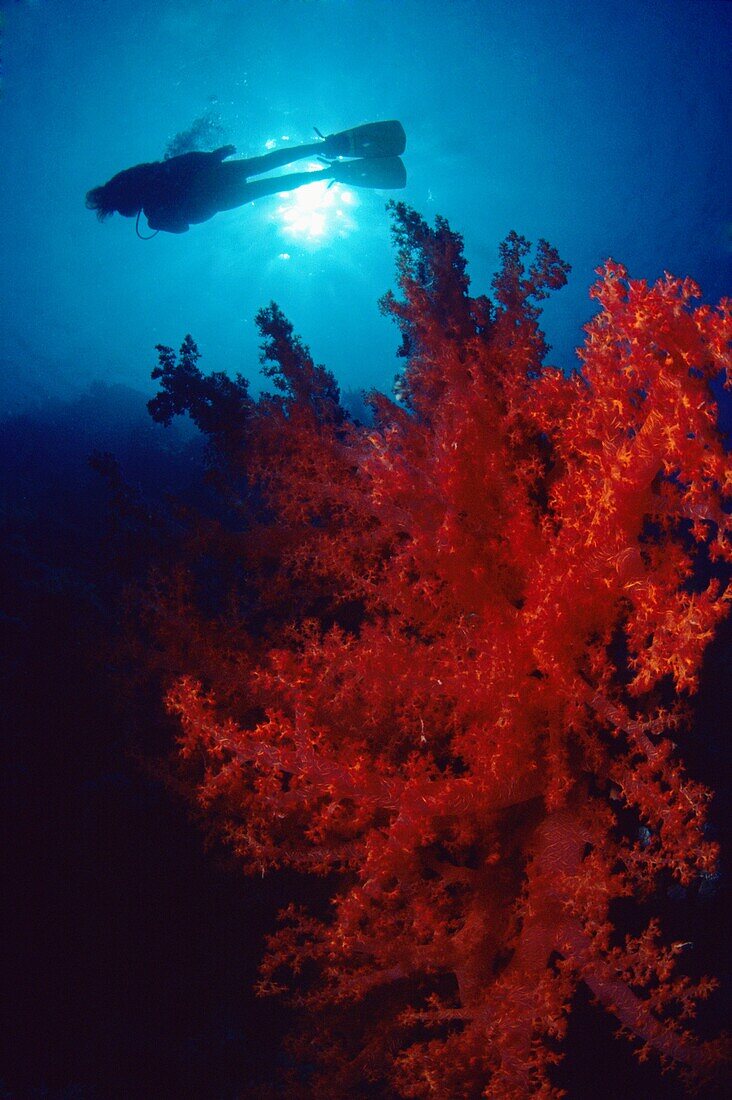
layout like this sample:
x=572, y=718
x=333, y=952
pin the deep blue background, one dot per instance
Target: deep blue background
x=129, y=952
x=603, y=127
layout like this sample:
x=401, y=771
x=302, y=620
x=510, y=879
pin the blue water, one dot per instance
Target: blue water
x=603, y=127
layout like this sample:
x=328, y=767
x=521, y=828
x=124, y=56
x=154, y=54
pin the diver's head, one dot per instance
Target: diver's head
x=124, y=194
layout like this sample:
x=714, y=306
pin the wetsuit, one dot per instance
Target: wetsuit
x=194, y=186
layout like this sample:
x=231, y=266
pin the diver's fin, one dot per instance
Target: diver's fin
x=382, y=172
x=373, y=139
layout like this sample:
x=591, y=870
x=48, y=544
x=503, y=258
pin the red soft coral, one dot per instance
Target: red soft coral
x=448, y=667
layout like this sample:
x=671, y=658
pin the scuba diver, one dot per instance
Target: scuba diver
x=192, y=187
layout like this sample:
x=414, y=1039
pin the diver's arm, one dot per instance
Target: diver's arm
x=166, y=221
x=172, y=227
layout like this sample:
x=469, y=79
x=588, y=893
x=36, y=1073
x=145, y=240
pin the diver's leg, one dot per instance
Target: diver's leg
x=254, y=166
x=234, y=191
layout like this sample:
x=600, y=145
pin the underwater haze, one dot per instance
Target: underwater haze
x=602, y=127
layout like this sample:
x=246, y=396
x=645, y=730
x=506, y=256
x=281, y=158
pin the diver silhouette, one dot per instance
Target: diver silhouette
x=173, y=194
